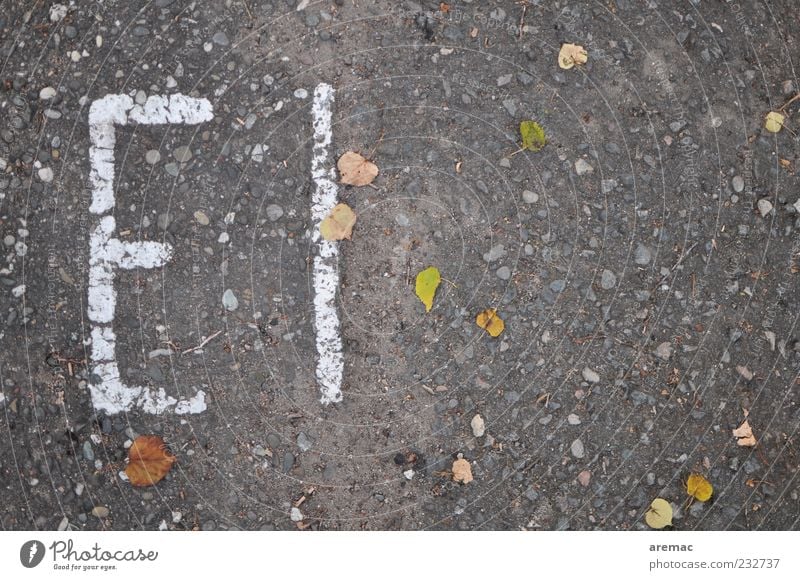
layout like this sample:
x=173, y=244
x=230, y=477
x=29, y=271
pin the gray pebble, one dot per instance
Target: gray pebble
x=274, y=212
x=558, y=285
x=152, y=157
x=229, y=300
x=590, y=376
x=303, y=442
x=504, y=273
x=220, y=38
x=577, y=449
x=582, y=167
x=642, y=255
x=664, y=350
x=608, y=280
x=182, y=154
x=88, y=452
x=738, y=184
x=495, y=253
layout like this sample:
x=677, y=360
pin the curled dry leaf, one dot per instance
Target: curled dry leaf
x=427, y=282
x=355, y=169
x=462, y=470
x=744, y=434
x=339, y=223
x=491, y=322
x=659, y=515
x=699, y=487
x=148, y=461
x=774, y=121
x=570, y=55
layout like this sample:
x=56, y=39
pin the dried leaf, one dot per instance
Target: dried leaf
x=339, y=223
x=774, y=121
x=148, y=461
x=570, y=55
x=744, y=434
x=354, y=169
x=491, y=322
x=659, y=515
x=427, y=282
x=533, y=137
x=462, y=470
x=699, y=487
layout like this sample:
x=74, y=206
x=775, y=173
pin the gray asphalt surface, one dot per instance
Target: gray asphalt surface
x=645, y=263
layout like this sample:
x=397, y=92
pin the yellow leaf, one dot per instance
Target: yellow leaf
x=354, y=169
x=148, y=461
x=339, y=223
x=427, y=282
x=699, y=487
x=570, y=55
x=774, y=122
x=491, y=322
x=462, y=470
x=659, y=515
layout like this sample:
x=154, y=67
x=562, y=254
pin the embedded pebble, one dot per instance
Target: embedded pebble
x=47, y=93
x=590, y=376
x=303, y=442
x=495, y=253
x=642, y=255
x=296, y=515
x=152, y=157
x=577, y=449
x=573, y=419
x=229, y=300
x=274, y=212
x=738, y=184
x=478, y=426
x=201, y=218
x=582, y=167
x=100, y=511
x=664, y=350
x=182, y=154
x=530, y=196
x=608, y=280
x=504, y=273
x=46, y=174
x=764, y=207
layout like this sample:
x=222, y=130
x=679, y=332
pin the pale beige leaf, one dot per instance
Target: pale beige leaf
x=462, y=470
x=570, y=55
x=356, y=170
x=339, y=223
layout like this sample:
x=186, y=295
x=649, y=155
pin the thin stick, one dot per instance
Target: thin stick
x=202, y=344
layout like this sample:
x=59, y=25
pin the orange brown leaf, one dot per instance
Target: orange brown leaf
x=149, y=461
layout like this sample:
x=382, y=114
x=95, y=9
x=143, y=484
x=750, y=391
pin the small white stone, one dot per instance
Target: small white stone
x=664, y=351
x=409, y=474
x=589, y=375
x=301, y=94
x=764, y=207
x=573, y=419
x=296, y=515
x=47, y=93
x=478, y=426
x=582, y=167
x=530, y=196
x=46, y=174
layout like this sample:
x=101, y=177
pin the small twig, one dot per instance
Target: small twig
x=202, y=344
x=522, y=19
x=247, y=8
x=789, y=102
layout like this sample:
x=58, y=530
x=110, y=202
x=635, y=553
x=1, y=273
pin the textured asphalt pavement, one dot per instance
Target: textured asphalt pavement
x=645, y=262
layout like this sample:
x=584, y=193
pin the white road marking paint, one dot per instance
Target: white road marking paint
x=330, y=363
x=107, y=253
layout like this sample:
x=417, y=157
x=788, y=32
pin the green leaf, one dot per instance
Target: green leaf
x=533, y=138
x=427, y=282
